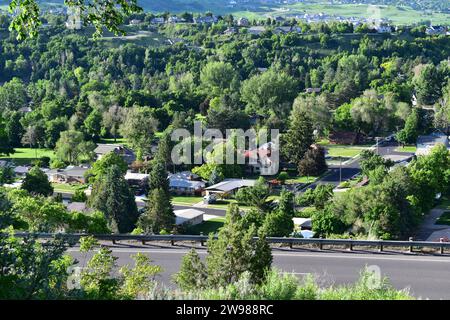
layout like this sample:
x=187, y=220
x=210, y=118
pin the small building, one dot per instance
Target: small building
x=21, y=170
x=157, y=20
x=25, y=109
x=71, y=174
x=345, y=137
x=436, y=30
x=426, y=143
x=229, y=186
x=127, y=154
x=78, y=207
x=206, y=20
x=313, y=90
x=257, y=30
x=230, y=31
x=383, y=29
x=135, y=22
x=137, y=181
x=243, y=22
x=188, y=217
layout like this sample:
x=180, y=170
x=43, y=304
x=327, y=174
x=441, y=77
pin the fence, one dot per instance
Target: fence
x=349, y=243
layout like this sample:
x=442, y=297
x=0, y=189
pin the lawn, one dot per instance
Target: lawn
x=444, y=219
x=344, y=151
x=223, y=204
x=24, y=156
x=411, y=149
x=186, y=199
x=296, y=180
x=65, y=188
x=206, y=227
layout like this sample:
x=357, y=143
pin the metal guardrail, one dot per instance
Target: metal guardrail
x=380, y=244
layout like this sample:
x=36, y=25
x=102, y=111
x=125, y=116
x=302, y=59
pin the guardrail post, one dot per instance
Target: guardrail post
x=202, y=243
x=411, y=247
x=290, y=244
x=113, y=241
x=172, y=242
x=381, y=246
x=441, y=240
x=320, y=243
x=143, y=242
x=350, y=248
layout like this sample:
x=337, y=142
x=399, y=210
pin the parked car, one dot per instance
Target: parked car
x=210, y=198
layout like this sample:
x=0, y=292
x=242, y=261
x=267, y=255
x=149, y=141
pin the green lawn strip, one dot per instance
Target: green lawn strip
x=66, y=188
x=206, y=227
x=444, y=219
x=25, y=156
x=223, y=204
x=301, y=180
x=186, y=199
x=411, y=149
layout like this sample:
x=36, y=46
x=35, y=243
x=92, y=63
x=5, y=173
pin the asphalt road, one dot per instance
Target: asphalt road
x=351, y=168
x=425, y=276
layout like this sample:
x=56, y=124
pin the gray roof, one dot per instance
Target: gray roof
x=70, y=171
x=231, y=184
x=183, y=183
x=433, y=139
x=106, y=148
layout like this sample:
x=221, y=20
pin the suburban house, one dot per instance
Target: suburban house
x=206, y=19
x=426, y=143
x=124, y=152
x=229, y=186
x=157, y=20
x=135, y=22
x=185, y=186
x=256, y=30
x=436, y=30
x=188, y=216
x=137, y=181
x=78, y=207
x=262, y=154
x=71, y=174
x=243, y=22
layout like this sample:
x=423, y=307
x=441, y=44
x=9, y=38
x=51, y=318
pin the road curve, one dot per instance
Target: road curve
x=427, y=277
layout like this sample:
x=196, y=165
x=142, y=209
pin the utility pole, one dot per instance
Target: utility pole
x=340, y=169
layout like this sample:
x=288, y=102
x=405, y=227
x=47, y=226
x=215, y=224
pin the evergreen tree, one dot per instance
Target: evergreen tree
x=36, y=182
x=159, y=214
x=313, y=163
x=192, y=274
x=158, y=178
x=299, y=137
x=235, y=252
x=112, y=196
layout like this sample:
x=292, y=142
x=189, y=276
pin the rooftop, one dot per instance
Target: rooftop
x=231, y=184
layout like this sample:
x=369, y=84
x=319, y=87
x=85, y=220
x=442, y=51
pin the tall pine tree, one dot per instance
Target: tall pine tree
x=112, y=196
x=299, y=137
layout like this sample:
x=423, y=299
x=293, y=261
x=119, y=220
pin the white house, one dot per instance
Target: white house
x=426, y=143
x=229, y=186
x=243, y=22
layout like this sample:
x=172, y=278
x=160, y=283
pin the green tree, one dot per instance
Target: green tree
x=72, y=148
x=34, y=270
x=101, y=166
x=313, y=163
x=278, y=223
x=36, y=182
x=216, y=77
x=299, y=137
x=112, y=196
x=268, y=91
x=159, y=213
x=410, y=132
x=138, y=128
x=255, y=196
